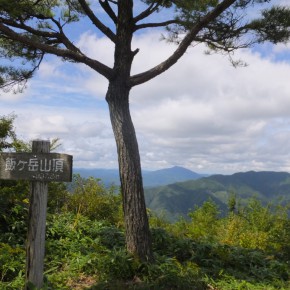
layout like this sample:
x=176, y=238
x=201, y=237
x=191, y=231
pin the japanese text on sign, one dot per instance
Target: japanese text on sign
x=34, y=165
x=40, y=166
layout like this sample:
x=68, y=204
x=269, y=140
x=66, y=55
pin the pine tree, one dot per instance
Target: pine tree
x=29, y=29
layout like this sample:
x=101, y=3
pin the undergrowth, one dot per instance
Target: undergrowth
x=85, y=246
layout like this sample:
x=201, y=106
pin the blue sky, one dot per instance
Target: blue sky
x=202, y=114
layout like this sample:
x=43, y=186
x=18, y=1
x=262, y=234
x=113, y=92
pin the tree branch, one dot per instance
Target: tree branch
x=63, y=38
x=151, y=9
x=22, y=77
x=160, y=24
x=64, y=53
x=103, y=28
x=106, y=6
x=53, y=37
x=183, y=46
x=29, y=29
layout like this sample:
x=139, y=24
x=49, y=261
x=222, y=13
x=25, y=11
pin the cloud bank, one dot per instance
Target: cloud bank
x=202, y=114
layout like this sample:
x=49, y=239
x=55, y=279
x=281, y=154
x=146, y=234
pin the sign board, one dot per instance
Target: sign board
x=36, y=166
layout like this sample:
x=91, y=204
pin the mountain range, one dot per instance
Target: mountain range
x=150, y=178
x=179, y=198
x=175, y=191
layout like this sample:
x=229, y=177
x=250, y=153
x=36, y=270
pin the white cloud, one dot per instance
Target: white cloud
x=10, y=96
x=202, y=113
x=49, y=69
x=97, y=47
x=215, y=118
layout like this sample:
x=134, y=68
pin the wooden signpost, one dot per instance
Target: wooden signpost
x=39, y=167
x=35, y=167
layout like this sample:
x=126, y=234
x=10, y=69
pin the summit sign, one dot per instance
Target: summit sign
x=36, y=166
x=39, y=167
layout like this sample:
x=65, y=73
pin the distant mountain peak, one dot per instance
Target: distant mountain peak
x=180, y=168
x=169, y=176
x=150, y=178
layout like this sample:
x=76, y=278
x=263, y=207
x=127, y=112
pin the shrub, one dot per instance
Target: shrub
x=12, y=261
x=257, y=227
x=90, y=198
x=204, y=222
x=169, y=273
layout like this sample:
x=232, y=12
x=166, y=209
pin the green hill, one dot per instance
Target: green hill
x=178, y=198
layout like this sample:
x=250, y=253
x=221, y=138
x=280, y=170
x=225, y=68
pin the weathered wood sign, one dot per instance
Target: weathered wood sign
x=36, y=166
x=39, y=167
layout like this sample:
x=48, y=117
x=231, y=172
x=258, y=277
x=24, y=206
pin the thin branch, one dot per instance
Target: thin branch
x=150, y=10
x=183, y=46
x=29, y=29
x=53, y=37
x=160, y=24
x=63, y=38
x=64, y=53
x=103, y=28
x=106, y=6
x=36, y=2
x=22, y=80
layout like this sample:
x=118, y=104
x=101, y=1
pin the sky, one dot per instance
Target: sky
x=202, y=114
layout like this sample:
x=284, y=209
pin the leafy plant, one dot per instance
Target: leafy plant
x=89, y=197
x=204, y=222
x=87, y=251
x=12, y=260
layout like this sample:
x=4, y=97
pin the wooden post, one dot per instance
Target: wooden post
x=39, y=167
x=35, y=247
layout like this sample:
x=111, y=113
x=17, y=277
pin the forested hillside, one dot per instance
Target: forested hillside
x=178, y=198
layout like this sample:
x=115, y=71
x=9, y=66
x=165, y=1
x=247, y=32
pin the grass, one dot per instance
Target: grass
x=245, y=250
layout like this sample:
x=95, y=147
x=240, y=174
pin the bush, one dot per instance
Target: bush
x=12, y=261
x=90, y=198
x=239, y=251
x=169, y=273
x=258, y=227
x=203, y=225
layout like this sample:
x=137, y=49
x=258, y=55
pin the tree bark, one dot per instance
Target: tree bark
x=138, y=239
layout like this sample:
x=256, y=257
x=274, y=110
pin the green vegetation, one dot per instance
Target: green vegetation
x=8, y=139
x=85, y=244
x=229, y=192
x=248, y=248
x=32, y=29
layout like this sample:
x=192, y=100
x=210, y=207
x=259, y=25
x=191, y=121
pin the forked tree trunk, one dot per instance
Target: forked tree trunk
x=138, y=238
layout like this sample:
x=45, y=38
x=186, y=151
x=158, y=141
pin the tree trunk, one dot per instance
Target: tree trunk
x=138, y=238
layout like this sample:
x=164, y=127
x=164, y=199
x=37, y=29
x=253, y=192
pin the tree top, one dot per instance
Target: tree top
x=29, y=29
